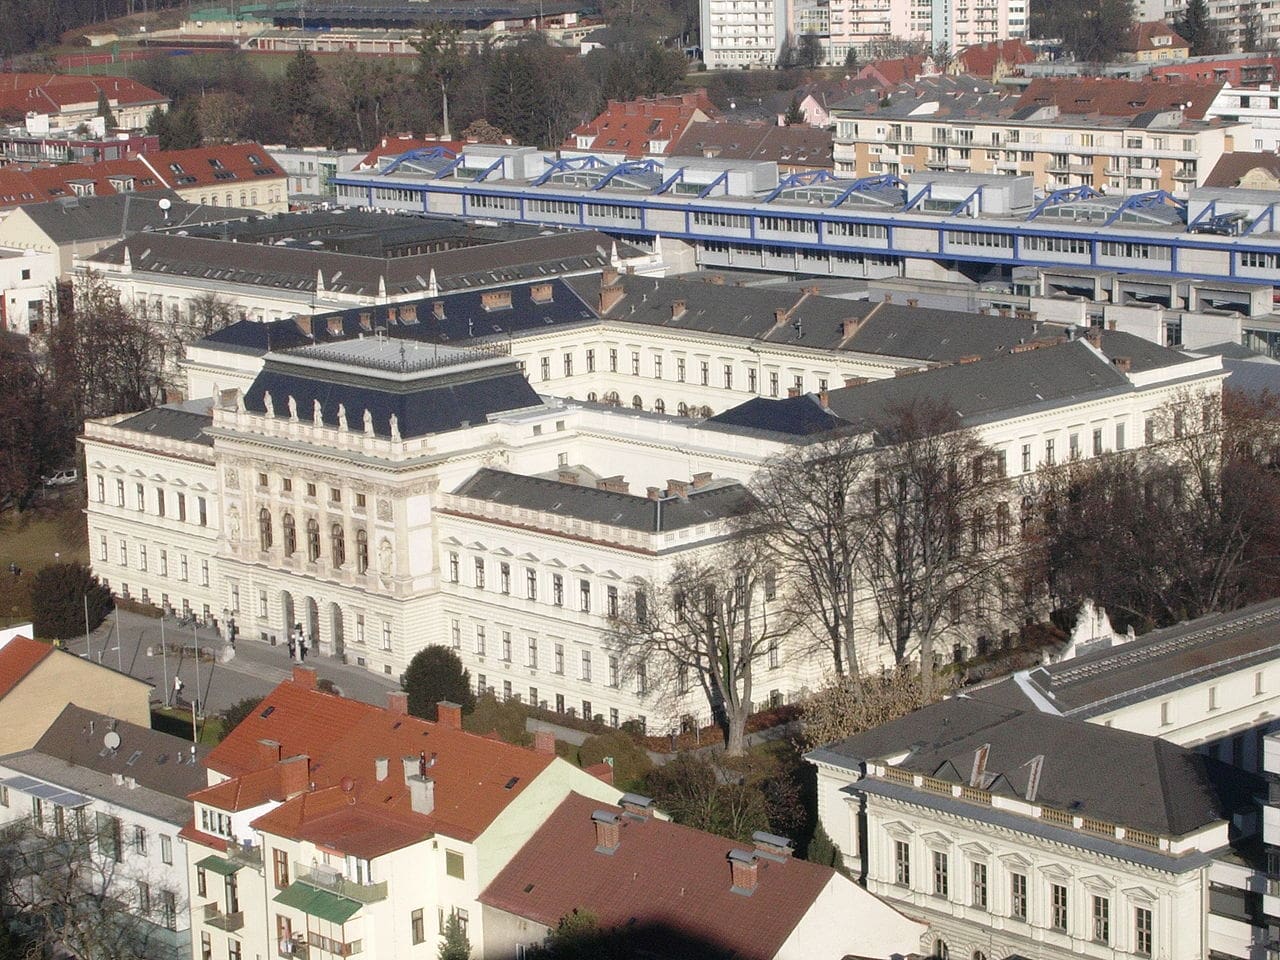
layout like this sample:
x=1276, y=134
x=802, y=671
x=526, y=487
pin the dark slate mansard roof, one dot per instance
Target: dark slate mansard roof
x=594, y=505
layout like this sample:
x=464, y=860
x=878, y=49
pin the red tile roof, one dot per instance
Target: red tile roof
x=349, y=808
x=19, y=185
x=628, y=126
x=18, y=658
x=794, y=146
x=890, y=73
x=1231, y=168
x=1143, y=37
x=671, y=879
x=981, y=59
x=1120, y=98
x=22, y=93
x=394, y=146
x=216, y=166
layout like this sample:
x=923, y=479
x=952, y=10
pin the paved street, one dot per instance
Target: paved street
x=255, y=669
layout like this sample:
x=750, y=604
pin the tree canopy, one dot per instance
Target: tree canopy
x=434, y=674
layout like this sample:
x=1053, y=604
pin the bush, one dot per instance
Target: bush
x=507, y=720
x=435, y=674
x=631, y=763
x=58, y=598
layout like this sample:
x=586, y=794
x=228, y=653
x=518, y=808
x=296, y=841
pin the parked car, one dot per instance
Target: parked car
x=61, y=478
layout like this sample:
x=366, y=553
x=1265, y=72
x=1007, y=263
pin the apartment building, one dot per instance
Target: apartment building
x=1115, y=136
x=1258, y=107
x=93, y=776
x=738, y=34
x=329, y=826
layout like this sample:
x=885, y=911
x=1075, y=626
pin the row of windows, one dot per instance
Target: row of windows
x=143, y=558
x=613, y=212
x=337, y=540
x=1134, y=251
x=977, y=238
x=1056, y=244
x=724, y=373
x=1057, y=901
x=584, y=593
x=310, y=491
x=561, y=208
x=160, y=498
x=721, y=221
x=485, y=202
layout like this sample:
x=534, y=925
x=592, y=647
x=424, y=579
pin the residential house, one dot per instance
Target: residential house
x=993, y=61
x=1152, y=41
x=793, y=148
x=71, y=100
x=643, y=127
x=1259, y=107
x=670, y=890
x=1246, y=169
x=228, y=175
x=329, y=825
x=37, y=681
x=93, y=776
x=26, y=279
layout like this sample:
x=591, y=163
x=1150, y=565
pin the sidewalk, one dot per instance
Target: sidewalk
x=256, y=668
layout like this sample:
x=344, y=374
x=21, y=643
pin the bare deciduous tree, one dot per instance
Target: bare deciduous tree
x=929, y=561
x=708, y=624
x=839, y=711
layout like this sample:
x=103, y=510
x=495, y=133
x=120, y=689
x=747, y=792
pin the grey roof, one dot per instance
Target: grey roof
x=82, y=219
x=604, y=506
x=1165, y=789
x=932, y=335
x=174, y=421
x=795, y=145
x=1230, y=350
x=1152, y=666
x=1253, y=377
x=73, y=753
x=290, y=268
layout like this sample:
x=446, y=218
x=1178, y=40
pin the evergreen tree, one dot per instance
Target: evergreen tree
x=455, y=945
x=794, y=116
x=301, y=83
x=435, y=674
x=59, y=598
x=104, y=110
x=851, y=59
x=1195, y=28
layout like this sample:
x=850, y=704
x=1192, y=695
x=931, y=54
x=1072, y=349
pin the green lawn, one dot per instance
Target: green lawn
x=53, y=530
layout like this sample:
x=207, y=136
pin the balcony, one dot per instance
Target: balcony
x=246, y=856
x=295, y=949
x=331, y=880
x=230, y=922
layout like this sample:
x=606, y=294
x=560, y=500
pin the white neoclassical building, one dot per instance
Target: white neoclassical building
x=496, y=470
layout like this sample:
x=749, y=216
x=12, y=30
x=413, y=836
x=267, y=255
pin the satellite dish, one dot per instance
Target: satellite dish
x=111, y=740
x=165, y=203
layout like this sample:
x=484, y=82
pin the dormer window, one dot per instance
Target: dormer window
x=177, y=168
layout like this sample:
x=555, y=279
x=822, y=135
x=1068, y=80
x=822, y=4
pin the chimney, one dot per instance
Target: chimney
x=1123, y=364
x=744, y=871
x=304, y=677
x=295, y=775
x=1004, y=311
x=268, y=752
x=717, y=279
x=397, y=702
x=1094, y=336
x=568, y=476
x=970, y=358
x=653, y=493
x=544, y=741
x=381, y=767
x=700, y=480
x=793, y=392
x=410, y=765
x=854, y=381
x=422, y=794
x=678, y=488
x=677, y=309
x=608, y=277
x=437, y=309
x=613, y=484
x=610, y=293
x=824, y=399
x=779, y=316
x=636, y=805
x=1111, y=324
x=772, y=846
x=449, y=714
x=608, y=831
x=304, y=325
x=540, y=293
x=888, y=298
x=848, y=327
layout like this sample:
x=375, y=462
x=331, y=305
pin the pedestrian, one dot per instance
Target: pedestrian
x=177, y=689
x=293, y=647
x=302, y=649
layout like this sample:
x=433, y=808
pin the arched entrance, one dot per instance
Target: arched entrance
x=311, y=624
x=335, y=623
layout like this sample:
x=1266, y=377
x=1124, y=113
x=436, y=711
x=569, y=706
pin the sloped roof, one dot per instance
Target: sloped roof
x=350, y=809
x=1113, y=97
x=21, y=93
x=116, y=215
x=395, y=146
x=18, y=658
x=895, y=71
x=175, y=421
x=605, y=506
x=667, y=884
x=981, y=59
x=20, y=185
x=628, y=126
x=1144, y=36
x=797, y=145
x=221, y=165
x=1165, y=789
x=1231, y=168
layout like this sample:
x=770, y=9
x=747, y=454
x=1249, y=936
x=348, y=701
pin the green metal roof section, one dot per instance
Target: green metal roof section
x=219, y=865
x=318, y=903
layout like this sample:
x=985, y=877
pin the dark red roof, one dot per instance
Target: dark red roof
x=19, y=185
x=18, y=658
x=890, y=73
x=394, y=146
x=215, y=166
x=981, y=59
x=628, y=126
x=1144, y=36
x=1231, y=168
x=664, y=880
x=1109, y=97
x=22, y=93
